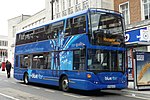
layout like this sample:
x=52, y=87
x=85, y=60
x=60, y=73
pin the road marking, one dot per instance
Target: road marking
x=23, y=85
x=36, y=87
x=49, y=90
x=136, y=97
x=75, y=96
x=13, y=98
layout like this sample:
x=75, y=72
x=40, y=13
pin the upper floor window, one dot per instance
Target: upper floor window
x=69, y=3
x=85, y=4
x=56, y=6
x=146, y=8
x=63, y=5
x=124, y=8
x=3, y=43
x=77, y=1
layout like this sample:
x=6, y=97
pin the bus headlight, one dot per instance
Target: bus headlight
x=88, y=76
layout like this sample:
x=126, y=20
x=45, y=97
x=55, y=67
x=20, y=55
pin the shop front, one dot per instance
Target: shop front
x=138, y=54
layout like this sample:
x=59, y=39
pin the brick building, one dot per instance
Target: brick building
x=134, y=10
x=136, y=14
x=137, y=20
x=130, y=8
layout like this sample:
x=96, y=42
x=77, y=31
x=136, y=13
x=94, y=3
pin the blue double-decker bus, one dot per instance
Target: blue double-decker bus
x=85, y=50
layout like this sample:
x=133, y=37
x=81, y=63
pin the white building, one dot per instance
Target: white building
x=3, y=48
x=12, y=28
x=65, y=7
x=53, y=9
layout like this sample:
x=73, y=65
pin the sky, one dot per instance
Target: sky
x=13, y=8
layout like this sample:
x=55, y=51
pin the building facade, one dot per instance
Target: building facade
x=3, y=48
x=136, y=14
x=12, y=29
x=133, y=10
x=130, y=8
x=137, y=20
x=60, y=8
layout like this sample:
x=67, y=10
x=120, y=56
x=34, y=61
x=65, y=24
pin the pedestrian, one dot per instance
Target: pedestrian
x=8, y=68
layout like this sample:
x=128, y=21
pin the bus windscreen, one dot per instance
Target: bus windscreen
x=107, y=29
x=99, y=60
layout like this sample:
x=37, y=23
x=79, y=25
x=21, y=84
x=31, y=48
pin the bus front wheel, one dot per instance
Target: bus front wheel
x=26, y=78
x=65, y=84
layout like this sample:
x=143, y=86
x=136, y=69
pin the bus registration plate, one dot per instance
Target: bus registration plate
x=111, y=86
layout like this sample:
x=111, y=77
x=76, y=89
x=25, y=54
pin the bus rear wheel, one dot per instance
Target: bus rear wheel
x=65, y=84
x=26, y=78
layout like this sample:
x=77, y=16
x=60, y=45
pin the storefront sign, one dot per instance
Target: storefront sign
x=138, y=35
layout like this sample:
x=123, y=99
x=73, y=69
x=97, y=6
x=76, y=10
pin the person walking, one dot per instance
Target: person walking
x=8, y=68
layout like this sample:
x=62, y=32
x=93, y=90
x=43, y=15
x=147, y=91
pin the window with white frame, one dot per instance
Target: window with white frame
x=85, y=4
x=124, y=8
x=69, y=3
x=77, y=1
x=57, y=7
x=146, y=8
x=63, y=4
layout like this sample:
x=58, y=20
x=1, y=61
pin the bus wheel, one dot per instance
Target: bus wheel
x=26, y=79
x=65, y=84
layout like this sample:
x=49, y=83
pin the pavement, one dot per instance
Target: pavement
x=128, y=91
x=4, y=72
x=140, y=93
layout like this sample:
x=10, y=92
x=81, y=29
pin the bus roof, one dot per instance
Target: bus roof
x=72, y=15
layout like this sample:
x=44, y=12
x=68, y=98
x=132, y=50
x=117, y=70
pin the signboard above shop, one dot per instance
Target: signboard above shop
x=138, y=60
x=140, y=36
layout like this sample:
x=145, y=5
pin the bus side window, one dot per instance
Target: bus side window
x=21, y=61
x=54, y=33
x=47, y=61
x=69, y=27
x=37, y=61
x=49, y=31
x=79, y=25
x=24, y=61
x=56, y=29
x=16, y=61
x=82, y=28
x=41, y=61
x=79, y=60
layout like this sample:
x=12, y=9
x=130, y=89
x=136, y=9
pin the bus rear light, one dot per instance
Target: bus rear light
x=89, y=76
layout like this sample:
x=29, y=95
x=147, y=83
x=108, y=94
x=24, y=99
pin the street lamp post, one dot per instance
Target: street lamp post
x=52, y=7
x=52, y=1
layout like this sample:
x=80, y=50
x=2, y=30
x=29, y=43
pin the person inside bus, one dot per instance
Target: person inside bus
x=8, y=68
